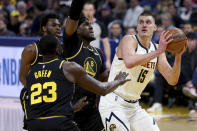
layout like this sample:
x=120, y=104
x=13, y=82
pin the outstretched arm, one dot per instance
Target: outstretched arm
x=27, y=58
x=76, y=74
x=171, y=74
x=128, y=45
x=75, y=13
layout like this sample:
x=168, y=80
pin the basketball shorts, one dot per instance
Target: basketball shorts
x=119, y=114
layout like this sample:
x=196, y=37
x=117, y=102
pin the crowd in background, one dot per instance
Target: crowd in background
x=119, y=17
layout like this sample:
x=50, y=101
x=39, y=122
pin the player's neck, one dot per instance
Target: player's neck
x=49, y=58
x=145, y=40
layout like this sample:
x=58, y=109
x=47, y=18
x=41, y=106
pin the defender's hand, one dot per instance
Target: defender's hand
x=80, y=104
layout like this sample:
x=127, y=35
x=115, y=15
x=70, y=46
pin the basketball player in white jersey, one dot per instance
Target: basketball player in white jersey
x=138, y=56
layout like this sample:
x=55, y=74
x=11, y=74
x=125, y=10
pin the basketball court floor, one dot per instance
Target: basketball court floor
x=176, y=118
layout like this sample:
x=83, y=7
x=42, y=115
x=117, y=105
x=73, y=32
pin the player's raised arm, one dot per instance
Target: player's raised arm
x=27, y=58
x=75, y=13
x=171, y=74
x=76, y=74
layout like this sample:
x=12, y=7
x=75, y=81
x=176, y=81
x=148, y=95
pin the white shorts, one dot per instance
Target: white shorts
x=120, y=115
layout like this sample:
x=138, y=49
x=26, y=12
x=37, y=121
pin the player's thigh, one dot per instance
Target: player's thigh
x=114, y=120
x=142, y=121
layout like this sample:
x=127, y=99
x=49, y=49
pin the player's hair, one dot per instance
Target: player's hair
x=82, y=19
x=48, y=44
x=46, y=18
x=147, y=13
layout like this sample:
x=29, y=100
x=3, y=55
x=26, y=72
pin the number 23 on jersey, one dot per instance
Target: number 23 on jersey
x=37, y=90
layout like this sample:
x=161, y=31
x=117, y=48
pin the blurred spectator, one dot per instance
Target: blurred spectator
x=100, y=32
x=22, y=8
x=8, y=6
x=14, y=23
x=132, y=14
x=157, y=34
x=151, y=4
x=25, y=28
x=64, y=8
x=187, y=28
x=193, y=18
x=162, y=6
x=3, y=29
x=39, y=10
x=176, y=20
x=131, y=31
x=106, y=15
x=166, y=21
x=119, y=9
x=186, y=11
x=189, y=63
x=115, y=35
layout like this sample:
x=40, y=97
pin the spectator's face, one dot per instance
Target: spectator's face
x=2, y=25
x=52, y=27
x=131, y=31
x=85, y=31
x=172, y=10
x=116, y=30
x=88, y=11
x=22, y=9
x=14, y=20
x=192, y=44
x=146, y=26
x=165, y=20
x=187, y=28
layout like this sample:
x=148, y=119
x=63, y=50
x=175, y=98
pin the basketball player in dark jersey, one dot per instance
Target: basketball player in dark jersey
x=50, y=85
x=77, y=37
x=50, y=24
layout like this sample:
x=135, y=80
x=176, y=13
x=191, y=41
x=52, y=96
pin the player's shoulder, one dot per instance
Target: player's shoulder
x=129, y=39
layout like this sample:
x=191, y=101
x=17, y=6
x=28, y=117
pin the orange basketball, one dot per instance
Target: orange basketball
x=179, y=40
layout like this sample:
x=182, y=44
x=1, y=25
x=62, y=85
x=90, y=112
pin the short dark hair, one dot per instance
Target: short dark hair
x=82, y=19
x=147, y=13
x=48, y=44
x=46, y=18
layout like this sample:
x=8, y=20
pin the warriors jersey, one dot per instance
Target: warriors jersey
x=90, y=58
x=50, y=93
x=38, y=55
x=140, y=75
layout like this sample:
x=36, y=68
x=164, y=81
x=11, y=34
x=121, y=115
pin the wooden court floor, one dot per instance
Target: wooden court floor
x=176, y=118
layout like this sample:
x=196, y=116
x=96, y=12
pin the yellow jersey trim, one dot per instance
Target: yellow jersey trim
x=48, y=117
x=61, y=64
x=24, y=104
x=36, y=54
x=99, y=55
x=76, y=53
x=48, y=61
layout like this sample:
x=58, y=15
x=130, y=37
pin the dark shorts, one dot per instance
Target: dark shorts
x=52, y=124
x=89, y=120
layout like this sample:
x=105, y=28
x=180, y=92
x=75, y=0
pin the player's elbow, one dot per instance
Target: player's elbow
x=173, y=83
x=129, y=64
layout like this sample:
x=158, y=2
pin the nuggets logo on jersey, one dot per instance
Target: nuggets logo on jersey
x=90, y=66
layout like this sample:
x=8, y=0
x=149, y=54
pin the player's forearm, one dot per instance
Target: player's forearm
x=175, y=71
x=138, y=59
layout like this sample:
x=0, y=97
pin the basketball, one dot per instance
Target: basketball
x=179, y=40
